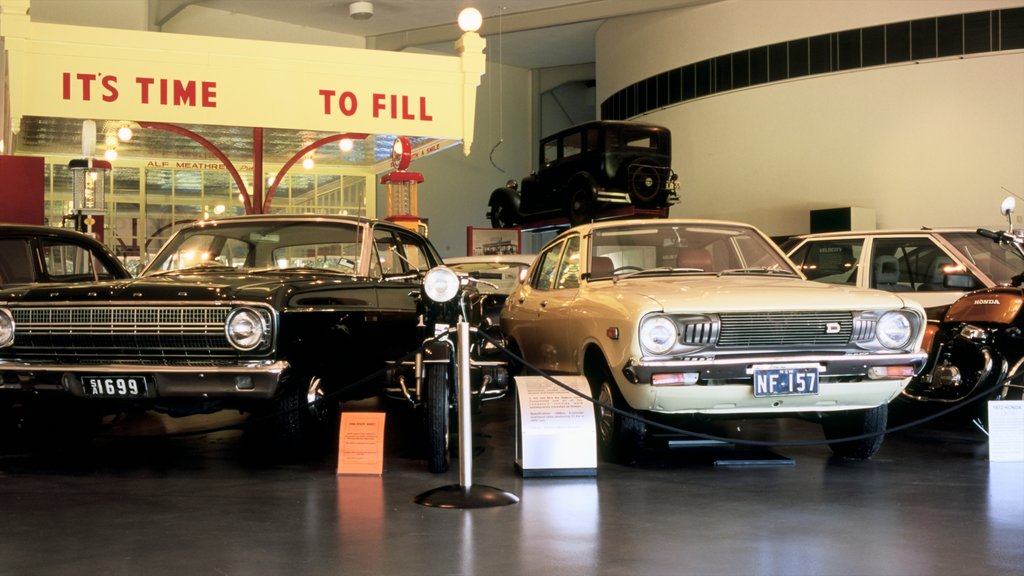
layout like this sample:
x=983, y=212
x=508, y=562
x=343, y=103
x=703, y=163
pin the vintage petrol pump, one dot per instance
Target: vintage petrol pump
x=88, y=198
x=403, y=186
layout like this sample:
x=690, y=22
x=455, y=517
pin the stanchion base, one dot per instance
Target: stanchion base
x=458, y=496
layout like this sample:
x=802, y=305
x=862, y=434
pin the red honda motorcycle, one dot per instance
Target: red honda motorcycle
x=976, y=352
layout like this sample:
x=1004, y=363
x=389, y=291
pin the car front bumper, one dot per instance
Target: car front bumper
x=725, y=386
x=254, y=380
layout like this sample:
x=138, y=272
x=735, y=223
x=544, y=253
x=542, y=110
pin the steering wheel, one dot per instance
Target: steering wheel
x=624, y=268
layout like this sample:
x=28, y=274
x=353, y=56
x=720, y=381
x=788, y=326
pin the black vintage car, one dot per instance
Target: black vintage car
x=264, y=314
x=43, y=254
x=589, y=170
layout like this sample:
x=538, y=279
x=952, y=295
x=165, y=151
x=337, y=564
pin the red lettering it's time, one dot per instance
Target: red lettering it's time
x=162, y=91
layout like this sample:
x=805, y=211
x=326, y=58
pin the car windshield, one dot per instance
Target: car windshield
x=683, y=248
x=1000, y=262
x=503, y=275
x=263, y=247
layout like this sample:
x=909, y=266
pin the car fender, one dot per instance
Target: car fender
x=504, y=192
x=580, y=180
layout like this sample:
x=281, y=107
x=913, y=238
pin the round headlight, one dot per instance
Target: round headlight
x=658, y=334
x=441, y=284
x=6, y=328
x=245, y=328
x=894, y=330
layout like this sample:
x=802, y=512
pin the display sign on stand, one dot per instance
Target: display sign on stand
x=555, y=429
x=1006, y=431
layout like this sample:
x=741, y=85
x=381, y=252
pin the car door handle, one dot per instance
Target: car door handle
x=543, y=303
x=522, y=299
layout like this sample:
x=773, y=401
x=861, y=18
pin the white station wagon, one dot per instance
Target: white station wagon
x=675, y=318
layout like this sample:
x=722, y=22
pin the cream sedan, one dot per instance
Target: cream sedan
x=686, y=317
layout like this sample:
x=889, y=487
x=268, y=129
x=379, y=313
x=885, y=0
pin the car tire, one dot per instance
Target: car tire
x=303, y=416
x=837, y=426
x=581, y=206
x=621, y=437
x=438, y=418
x=645, y=184
x=503, y=213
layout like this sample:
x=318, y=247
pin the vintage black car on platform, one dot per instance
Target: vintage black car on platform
x=264, y=314
x=588, y=172
x=37, y=254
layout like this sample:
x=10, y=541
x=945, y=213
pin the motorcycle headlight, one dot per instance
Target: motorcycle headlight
x=6, y=328
x=245, y=328
x=441, y=284
x=894, y=330
x=658, y=334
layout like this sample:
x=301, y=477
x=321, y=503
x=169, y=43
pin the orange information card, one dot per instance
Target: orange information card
x=361, y=443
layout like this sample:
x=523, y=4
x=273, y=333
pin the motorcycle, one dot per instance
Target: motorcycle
x=429, y=380
x=977, y=348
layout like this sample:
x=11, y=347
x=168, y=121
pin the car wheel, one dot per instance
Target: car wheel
x=303, y=415
x=644, y=184
x=503, y=213
x=620, y=436
x=438, y=418
x=856, y=423
x=581, y=206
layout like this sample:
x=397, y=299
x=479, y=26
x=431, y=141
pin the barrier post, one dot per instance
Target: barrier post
x=465, y=494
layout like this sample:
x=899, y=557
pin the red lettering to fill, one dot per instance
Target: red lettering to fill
x=328, y=95
x=423, y=110
x=378, y=104
x=406, y=115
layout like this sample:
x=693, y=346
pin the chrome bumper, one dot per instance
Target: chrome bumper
x=640, y=371
x=256, y=380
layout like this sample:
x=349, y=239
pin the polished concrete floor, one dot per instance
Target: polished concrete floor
x=137, y=501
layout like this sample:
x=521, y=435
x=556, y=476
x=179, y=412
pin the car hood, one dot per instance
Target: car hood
x=191, y=288
x=744, y=294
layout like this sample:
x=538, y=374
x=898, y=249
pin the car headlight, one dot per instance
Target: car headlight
x=658, y=334
x=245, y=328
x=6, y=328
x=894, y=330
x=441, y=284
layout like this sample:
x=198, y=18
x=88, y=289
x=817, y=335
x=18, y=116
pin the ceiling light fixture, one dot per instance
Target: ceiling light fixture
x=124, y=133
x=470, y=20
x=360, y=10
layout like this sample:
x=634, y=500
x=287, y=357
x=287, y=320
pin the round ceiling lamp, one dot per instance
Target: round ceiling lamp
x=360, y=10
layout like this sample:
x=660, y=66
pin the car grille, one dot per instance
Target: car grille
x=151, y=335
x=785, y=329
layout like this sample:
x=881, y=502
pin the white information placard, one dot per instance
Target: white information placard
x=555, y=428
x=1006, y=431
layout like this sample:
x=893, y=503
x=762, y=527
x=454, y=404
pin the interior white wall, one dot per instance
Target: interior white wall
x=936, y=143
x=456, y=187
x=203, y=21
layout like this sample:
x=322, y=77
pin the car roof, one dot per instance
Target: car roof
x=885, y=232
x=36, y=230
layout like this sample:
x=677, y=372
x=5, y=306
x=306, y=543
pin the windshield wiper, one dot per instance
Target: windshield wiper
x=293, y=269
x=658, y=270
x=759, y=270
x=197, y=268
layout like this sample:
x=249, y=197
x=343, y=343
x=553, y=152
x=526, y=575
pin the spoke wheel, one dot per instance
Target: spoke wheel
x=581, y=206
x=438, y=418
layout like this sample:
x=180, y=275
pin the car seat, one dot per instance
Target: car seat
x=887, y=274
x=697, y=258
x=601, y=267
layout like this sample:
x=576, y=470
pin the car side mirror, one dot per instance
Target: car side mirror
x=960, y=281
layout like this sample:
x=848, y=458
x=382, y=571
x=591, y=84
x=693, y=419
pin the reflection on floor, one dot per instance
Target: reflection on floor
x=159, y=496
